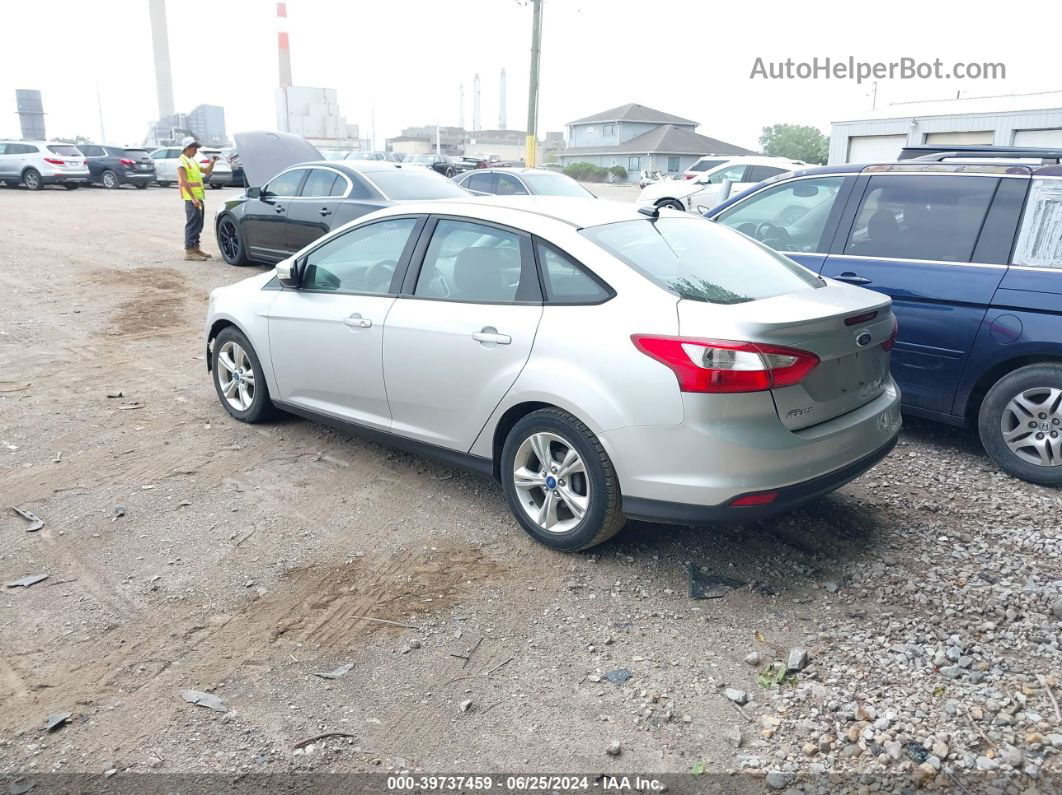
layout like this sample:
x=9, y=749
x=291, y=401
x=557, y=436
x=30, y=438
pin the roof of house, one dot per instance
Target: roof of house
x=665, y=139
x=634, y=112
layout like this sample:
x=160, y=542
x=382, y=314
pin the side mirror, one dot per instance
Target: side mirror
x=289, y=272
x=254, y=193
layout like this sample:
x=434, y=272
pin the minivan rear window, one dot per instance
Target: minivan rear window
x=65, y=151
x=702, y=261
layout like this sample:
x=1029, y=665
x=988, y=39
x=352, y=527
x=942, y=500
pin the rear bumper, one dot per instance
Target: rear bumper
x=789, y=498
x=76, y=178
x=137, y=177
x=220, y=179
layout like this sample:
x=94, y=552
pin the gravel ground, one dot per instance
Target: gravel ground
x=914, y=615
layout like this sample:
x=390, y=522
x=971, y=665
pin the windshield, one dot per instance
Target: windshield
x=415, y=184
x=65, y=151
x=555, y=185
x=701, y=261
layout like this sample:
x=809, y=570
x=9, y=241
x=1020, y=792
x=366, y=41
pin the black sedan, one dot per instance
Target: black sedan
x=303, y=201
x=443, y=164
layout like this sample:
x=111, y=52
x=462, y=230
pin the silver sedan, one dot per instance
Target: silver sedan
x=601, y=362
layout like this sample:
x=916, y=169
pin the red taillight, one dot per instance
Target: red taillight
x=762, y=498
x=126, y=162
x=855, y=320
x=703, y=365
x=688, y=176
x=887, y=345
x=55, y=161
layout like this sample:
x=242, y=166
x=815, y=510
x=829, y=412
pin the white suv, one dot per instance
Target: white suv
x=705, y=190
x=39, y=163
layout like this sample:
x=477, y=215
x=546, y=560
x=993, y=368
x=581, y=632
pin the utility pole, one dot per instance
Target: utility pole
x=99, y=106
x=531, y=158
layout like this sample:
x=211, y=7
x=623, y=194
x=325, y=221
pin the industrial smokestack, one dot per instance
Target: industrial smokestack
x=461, y=112
x=501, y=101
x=475, y=102
x=160, y=42
x=283, y=49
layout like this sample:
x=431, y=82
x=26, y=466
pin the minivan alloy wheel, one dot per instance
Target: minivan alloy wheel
x=236, y=376
x=1032, y=426
x=551, y=481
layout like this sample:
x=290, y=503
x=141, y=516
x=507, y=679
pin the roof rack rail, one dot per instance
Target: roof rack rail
x=937, y=153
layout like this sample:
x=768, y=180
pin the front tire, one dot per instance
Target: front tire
x=32, y=179
x=238, y=377
x=230, y=242
x=1020, y=423
x=674, y=204
x=109, y=180
x=559, y=481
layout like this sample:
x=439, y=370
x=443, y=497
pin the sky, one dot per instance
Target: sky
x=407, y=59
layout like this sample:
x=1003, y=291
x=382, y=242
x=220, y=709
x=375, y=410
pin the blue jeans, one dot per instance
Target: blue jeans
x=193, y=223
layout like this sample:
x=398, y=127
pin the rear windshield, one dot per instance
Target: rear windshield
x=137, y=154
x=704, y=165
x=65, y=151
x=702, y=261
x=415, y=184
x=555, y=185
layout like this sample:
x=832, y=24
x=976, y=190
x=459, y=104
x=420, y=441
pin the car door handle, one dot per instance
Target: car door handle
x=357, y=321
x=490, y=335
x=853, y=278
x=325, y=211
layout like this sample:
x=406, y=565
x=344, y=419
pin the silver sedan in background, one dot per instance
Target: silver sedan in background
x=600, y=362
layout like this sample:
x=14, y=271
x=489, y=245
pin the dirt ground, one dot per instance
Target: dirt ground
x=187, y=551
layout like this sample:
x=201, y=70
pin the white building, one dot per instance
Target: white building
x=314, y=114
x=1011, y=120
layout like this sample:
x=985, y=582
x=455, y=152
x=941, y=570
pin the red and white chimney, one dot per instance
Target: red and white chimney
x=283, y=48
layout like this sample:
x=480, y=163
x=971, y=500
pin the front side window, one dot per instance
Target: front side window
x=320, y=182
x=789, y=216
x=921, y=217
x=361, y=261
x=701, y=261
x=471, y=262
x=566, y=282
x=508, y=185
x=286, y=184
x=1040, y=237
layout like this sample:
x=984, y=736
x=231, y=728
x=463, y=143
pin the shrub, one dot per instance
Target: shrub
x=619, y=172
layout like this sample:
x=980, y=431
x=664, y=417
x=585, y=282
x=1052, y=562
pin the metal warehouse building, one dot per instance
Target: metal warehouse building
x=1011, y=120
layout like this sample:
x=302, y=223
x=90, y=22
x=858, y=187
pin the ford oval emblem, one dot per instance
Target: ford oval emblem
x=863, y=339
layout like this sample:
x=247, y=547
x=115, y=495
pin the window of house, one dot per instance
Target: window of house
x=672, y=165
x=608, y=129
x=634, y=164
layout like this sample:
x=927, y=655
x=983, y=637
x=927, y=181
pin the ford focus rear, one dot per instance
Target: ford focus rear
x=601, y=363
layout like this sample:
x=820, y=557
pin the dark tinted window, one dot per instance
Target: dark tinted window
x=565, y=281
x=64, y=150
x=319, y=183
x=508, y=185
x=339, y=187
x=286, y=184
x=705, y=165
x=760, y=173
x=415, y=183
x=697, y=260
x=921, y=217
x=361, y=261
x=471, y=262
x=136, y=154
x=482, y=182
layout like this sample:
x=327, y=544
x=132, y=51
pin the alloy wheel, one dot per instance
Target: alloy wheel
x=236, y=376
x=551, y=482
x=110, y=180
x=1032, y=426
x=229, y=240
x=32, y=180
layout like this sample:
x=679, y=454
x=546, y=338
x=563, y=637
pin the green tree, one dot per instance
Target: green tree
x=795, y=142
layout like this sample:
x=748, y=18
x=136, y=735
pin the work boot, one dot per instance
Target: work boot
x=194, y=256
x=202, y=253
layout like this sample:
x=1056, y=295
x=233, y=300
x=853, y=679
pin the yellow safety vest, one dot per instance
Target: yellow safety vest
x=195, y=179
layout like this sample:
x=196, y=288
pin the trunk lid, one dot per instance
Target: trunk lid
x=853, y=368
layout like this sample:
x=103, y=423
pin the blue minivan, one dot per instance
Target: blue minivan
x=969, y=246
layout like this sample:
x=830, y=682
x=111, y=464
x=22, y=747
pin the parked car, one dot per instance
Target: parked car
x=221, y=176
x=971, y=252
x=601, y=363
x=706, y=190
x=39, y=163
x=443, y=164
x=366, y=155
x=114, y=166
x=295, y=196
x=521, y=181
x=472, y=161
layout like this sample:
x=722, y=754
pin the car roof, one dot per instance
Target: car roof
x=514, y=170
x=571, y=210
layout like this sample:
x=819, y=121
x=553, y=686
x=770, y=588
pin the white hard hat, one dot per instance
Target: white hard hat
x=189, y=141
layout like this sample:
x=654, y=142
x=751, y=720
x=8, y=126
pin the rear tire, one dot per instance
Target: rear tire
x=109, y=180
x=232, y=360
x=1017, y=419
x=588, y=483
x=71, y=185
x=141, y=185
x=31, y=177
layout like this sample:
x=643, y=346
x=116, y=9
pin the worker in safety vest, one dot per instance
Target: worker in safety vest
x=190, y=179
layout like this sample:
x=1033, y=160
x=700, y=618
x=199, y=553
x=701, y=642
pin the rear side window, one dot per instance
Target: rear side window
x=508, y=185
x=65, y=151
x=1040, y=237
x=481, y=182
x=760, y=173
x=88, y=150
x=702, y=261
x=475, y=263
x=319, y=183
x=565, y=281
x=921, y=217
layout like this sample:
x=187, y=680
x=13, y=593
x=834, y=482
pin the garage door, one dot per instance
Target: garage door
x=1038, y=138
x=959, y=138
x=875, y=148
